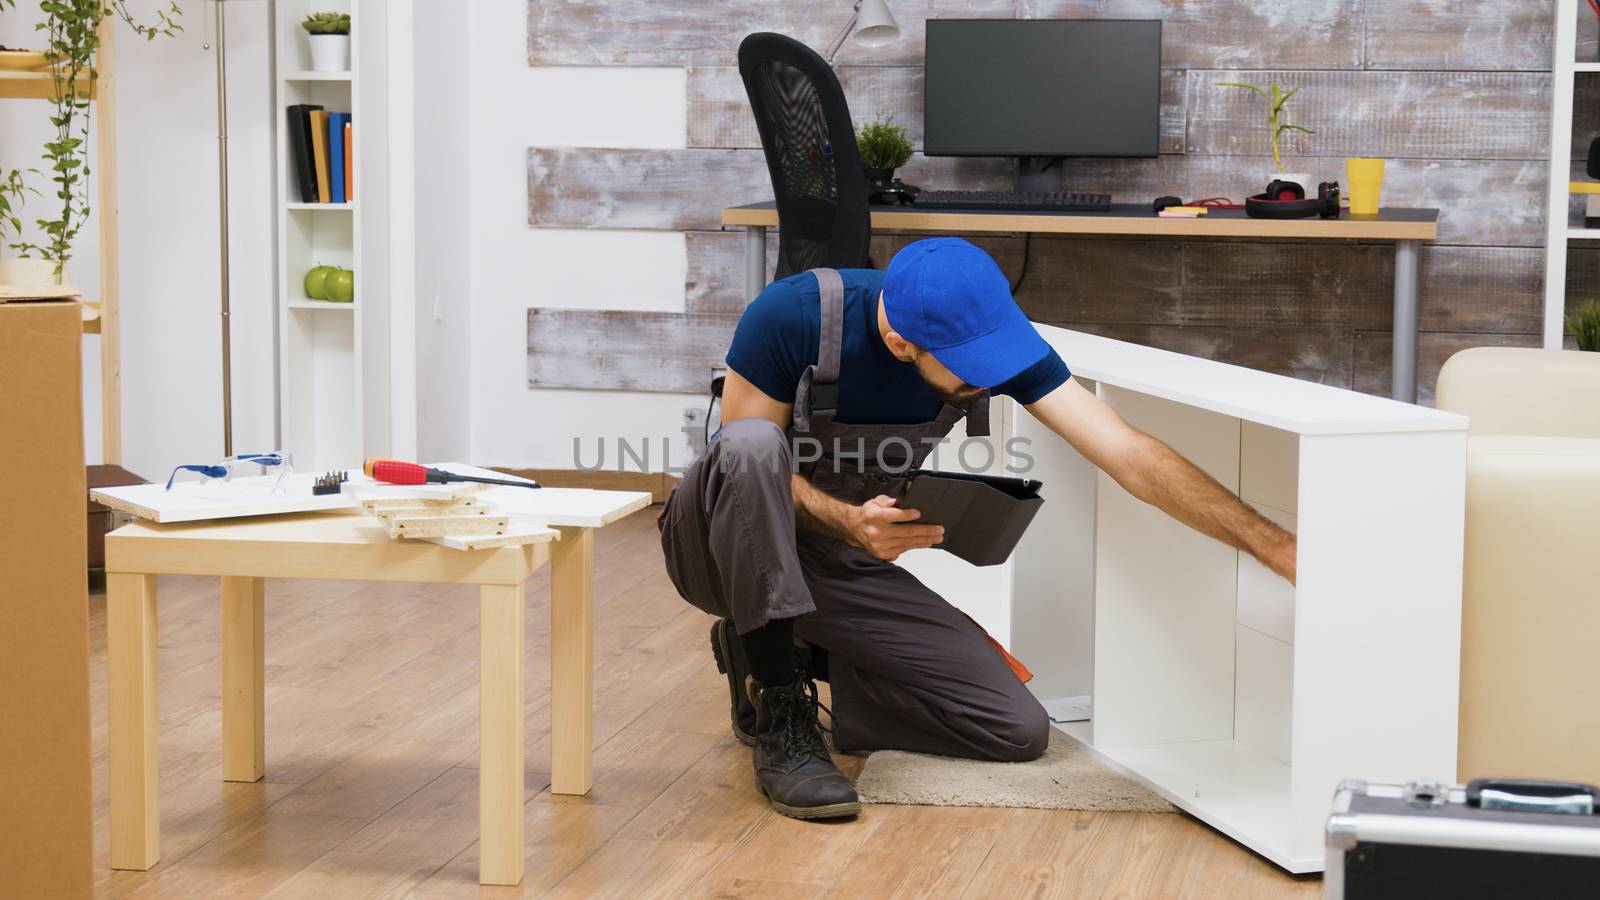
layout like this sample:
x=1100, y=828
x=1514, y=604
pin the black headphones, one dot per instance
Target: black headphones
x=1287, y=200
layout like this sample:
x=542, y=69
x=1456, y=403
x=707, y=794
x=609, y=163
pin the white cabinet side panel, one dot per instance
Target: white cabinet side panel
x=1377, y=614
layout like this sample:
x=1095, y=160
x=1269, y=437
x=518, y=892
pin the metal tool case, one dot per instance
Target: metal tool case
x=1491, y=840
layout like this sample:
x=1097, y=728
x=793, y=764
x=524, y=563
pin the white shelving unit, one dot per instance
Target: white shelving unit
x=1242, y=699
x=1565, y=67
x=334, y=357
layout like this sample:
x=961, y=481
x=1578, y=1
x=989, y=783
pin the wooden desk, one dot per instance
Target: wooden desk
x=1406, y=227
x=348, y=545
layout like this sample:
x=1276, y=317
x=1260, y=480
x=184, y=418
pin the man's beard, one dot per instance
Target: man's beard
x=961, y=396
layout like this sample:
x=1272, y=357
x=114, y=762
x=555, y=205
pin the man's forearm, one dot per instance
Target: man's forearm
x=1166, y=480
x=817, y=511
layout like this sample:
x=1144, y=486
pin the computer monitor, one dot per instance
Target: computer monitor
x=1042, y=87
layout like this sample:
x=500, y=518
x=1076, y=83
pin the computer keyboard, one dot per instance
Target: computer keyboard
x=1051, y=201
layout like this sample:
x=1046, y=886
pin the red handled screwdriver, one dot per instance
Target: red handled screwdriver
x=394, y=471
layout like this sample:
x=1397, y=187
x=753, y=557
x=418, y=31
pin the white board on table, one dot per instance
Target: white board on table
x=194, y=501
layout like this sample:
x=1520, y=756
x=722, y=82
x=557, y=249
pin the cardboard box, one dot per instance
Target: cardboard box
x=46, y=842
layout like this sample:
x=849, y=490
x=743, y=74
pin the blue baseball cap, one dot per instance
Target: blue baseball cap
x=950, y=298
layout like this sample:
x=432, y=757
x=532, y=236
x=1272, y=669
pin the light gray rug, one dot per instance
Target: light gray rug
x=1066, y=777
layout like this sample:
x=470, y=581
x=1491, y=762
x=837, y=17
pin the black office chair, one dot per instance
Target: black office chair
x=811, y=154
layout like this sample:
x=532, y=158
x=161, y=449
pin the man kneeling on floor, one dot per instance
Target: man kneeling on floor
x=838, y=383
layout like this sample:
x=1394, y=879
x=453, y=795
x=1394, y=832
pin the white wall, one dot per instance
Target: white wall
x=167, y=171
x=512, y=267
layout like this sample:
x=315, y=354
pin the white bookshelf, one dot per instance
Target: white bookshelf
x=333, y=357
x=1565, y=68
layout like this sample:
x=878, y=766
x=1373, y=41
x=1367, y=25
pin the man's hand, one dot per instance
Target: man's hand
x=884, y=530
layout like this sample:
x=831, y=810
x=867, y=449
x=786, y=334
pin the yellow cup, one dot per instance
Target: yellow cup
x=1365, y=177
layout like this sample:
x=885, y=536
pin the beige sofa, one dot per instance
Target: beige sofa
x=1530, y=643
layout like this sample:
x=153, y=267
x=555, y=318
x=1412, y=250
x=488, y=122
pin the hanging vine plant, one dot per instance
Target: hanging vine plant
x=73, y=30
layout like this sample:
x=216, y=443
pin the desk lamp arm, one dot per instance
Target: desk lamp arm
x=838, y=42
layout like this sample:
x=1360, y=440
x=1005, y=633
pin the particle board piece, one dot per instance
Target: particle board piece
x=515, y=535
x=430, y=511
x=442, y=526
x=365, y=489
x=380, y=506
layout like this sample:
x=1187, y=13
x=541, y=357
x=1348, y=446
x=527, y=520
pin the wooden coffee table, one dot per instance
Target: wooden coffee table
x=349, y=545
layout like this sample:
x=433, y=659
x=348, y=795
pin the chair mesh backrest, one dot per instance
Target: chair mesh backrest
x=810, y=146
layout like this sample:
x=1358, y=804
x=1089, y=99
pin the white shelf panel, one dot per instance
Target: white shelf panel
x=1277, y=401
x=320, y=207
x=1586, y=67
x=1236, y=789
x=1583, y=234
x=316, y=76
x=321, y=305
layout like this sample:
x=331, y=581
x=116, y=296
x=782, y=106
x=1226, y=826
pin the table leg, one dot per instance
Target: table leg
x=244, y=688
x=1406, y=288
x=571, y=661
x=755, y=260
x=131, y=715
x=502, y=642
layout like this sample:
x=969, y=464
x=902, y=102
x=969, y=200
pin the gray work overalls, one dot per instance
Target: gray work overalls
x=858, y=462
x=908, y=671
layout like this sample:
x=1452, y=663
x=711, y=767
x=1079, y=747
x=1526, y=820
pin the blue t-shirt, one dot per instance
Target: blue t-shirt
x=778, y=335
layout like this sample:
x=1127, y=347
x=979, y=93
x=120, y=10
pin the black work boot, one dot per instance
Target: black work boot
x=792, y=765
x=729, y=653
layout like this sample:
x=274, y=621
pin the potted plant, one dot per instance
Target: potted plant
x=883, y=147
x=1276, y=97
x=1584, y=325
x=329, y=34
x=72, y=29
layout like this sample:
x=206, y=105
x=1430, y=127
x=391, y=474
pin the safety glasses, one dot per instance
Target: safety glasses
x=279, y=463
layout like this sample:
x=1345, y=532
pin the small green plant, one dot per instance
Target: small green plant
x=883, y=145
x=13, y=185
x=1276, y=97
x=327, y=23
x=73, y=30
x=1584, y=325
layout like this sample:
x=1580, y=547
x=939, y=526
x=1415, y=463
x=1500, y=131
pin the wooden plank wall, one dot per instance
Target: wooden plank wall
x=1455, y=96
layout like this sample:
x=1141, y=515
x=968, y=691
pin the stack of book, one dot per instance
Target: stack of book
x=320, y=142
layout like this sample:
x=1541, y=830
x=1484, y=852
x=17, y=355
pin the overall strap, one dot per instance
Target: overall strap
x=978, y=416
x=818, y=393
x=830, y=289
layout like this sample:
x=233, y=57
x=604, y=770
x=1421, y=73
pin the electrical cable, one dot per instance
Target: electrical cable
x=1027, y=243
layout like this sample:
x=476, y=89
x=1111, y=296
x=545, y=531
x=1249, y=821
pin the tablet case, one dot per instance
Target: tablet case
x=983, y=515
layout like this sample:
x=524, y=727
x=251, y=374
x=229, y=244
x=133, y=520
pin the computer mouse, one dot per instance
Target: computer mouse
x=1164, y=202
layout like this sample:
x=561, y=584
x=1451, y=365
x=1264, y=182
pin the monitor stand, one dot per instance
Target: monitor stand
x=1040, y=174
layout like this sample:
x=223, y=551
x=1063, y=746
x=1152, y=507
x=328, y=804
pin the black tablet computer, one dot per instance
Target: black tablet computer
x=983, y=515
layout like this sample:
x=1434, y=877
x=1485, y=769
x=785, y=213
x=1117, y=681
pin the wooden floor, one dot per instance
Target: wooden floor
x=371, y=787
